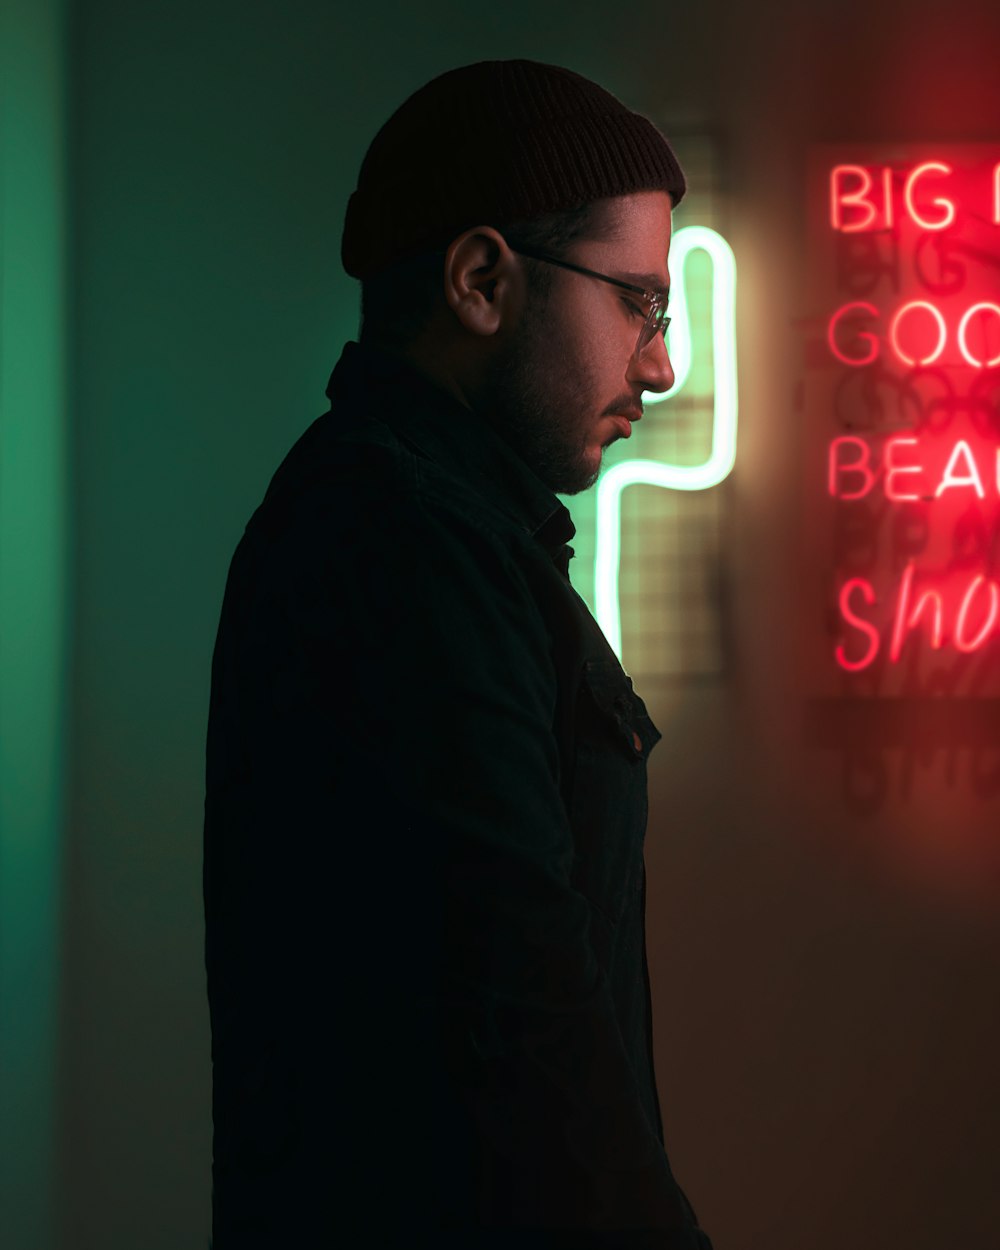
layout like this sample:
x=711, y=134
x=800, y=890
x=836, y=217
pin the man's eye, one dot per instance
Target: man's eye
x=633, y=308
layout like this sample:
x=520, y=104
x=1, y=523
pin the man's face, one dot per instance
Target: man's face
x=569, y=383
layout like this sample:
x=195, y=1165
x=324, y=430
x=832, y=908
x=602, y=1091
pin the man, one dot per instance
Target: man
x=426, y=783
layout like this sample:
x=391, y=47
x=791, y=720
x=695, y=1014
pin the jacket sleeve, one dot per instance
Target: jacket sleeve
x=416, y=653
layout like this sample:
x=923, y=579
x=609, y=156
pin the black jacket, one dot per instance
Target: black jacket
x=424, y=883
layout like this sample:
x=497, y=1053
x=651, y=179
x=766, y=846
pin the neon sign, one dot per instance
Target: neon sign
x=910, y=609
x=850, y=474
x=878, y=211
x=987, y=313
x=722, y=457
x=902, y=404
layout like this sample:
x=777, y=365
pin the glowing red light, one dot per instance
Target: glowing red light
x=893, y=470
x=947, y=206
x=831, y=331
x=983, y=309
x=835, y=468
x=865, y=627
x=894, y=332
x=875, y=216
x=906, y=620
x=950, y=480
x=991, y=615
x=839, y=198
x=963, y=346
x=915, y=434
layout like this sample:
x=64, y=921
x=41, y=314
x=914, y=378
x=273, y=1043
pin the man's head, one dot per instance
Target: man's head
x=478, y=204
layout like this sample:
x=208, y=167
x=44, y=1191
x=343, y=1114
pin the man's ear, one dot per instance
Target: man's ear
x=483, y=282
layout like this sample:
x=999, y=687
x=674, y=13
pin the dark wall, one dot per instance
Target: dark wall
x=824, y=978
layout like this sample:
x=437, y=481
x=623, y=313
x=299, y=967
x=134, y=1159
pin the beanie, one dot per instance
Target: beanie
x=494, y=143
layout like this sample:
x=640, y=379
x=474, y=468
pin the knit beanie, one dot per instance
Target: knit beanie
x=491, y=144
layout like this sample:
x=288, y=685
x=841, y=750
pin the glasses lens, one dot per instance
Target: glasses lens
x=656, y=323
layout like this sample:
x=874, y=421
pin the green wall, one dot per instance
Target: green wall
x=34, y=597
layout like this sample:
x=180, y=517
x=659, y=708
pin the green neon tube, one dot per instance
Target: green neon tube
x=720, y=462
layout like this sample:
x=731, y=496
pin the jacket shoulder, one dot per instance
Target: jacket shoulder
x=357, y=482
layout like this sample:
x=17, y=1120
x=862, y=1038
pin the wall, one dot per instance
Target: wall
x=35, y=499
x=826, y=1018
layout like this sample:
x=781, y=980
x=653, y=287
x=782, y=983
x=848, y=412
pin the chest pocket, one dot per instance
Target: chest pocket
x=611, y=690
x=614, y=736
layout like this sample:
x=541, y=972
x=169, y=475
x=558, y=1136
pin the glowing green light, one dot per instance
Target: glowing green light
x=657, y=473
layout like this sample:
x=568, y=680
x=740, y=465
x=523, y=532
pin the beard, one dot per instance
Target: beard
x=541, y=403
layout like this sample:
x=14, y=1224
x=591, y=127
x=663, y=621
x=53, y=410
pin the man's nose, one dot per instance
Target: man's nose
x=652, y=367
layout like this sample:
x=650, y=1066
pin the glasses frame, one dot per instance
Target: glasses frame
x=656, y=321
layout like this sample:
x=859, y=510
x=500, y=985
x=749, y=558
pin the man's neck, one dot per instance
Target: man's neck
x=429, y=361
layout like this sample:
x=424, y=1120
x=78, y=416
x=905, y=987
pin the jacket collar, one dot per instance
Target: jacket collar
x=420, y=412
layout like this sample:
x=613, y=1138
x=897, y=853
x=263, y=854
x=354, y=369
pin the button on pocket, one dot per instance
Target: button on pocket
x=611, y=689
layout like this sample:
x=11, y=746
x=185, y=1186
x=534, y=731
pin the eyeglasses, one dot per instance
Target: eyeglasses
x=656, y=319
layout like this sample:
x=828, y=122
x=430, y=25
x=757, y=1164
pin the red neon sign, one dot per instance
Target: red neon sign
x=894, y=333
x=851, y=475
x=852, y=187
x=930, y=611
x=904, y=341
x=902, y=404
x=963, y=328
x=962, y=642
x=845, y=311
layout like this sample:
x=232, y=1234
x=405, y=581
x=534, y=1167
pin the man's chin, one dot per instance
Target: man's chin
x=582, y=480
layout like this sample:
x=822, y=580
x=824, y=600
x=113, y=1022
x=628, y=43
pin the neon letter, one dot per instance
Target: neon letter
x=906, y=620
x=892, y=470
x=963, y=346
x=863, y=334
x=963, y=612
x=838, y=198
x=887, y=195
x=852, y=666
x=835, y=468
x=894, y=332
x=996, y=196
x=971, y=478
x=948, y=207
